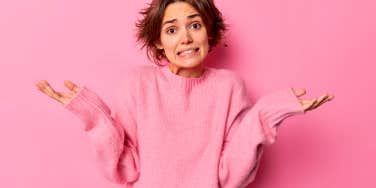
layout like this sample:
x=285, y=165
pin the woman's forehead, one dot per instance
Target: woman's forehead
x=174, y=20
x=179, y=10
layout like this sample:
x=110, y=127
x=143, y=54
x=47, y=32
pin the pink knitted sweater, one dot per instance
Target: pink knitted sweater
x=169, y=131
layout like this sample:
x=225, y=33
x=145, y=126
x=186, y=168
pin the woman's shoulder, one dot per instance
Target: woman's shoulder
x=223, y=75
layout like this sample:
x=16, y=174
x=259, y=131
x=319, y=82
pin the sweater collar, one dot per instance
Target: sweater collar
x=181, y=81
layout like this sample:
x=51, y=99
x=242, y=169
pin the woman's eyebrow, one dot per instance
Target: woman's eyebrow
x=193, y=16
x=174, y=20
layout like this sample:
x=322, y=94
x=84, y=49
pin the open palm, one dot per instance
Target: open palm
x=310, y=104
x=62, y=97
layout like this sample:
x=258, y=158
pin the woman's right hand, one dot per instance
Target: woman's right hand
x=62, y=97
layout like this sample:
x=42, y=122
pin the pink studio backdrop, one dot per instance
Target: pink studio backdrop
x=321, y=45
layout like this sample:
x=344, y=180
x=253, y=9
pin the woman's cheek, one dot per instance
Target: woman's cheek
x=169, y=42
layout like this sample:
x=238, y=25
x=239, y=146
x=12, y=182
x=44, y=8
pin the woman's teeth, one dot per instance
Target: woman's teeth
x=188, y=51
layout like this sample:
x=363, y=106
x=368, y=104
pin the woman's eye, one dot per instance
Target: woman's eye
x=171, y=30
x=196, y=25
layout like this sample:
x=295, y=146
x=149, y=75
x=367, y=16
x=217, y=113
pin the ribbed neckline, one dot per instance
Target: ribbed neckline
x=185, y=82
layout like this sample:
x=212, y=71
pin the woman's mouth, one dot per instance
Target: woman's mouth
x=188, y=52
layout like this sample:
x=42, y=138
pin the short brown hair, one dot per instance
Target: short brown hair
x=149, y=27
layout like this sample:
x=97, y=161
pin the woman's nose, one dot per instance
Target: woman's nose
x=186, y=38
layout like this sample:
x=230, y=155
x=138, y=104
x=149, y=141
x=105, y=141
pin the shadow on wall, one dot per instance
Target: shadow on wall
x=219, y=57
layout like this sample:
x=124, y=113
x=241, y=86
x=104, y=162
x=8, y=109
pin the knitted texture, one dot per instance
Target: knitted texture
x=169, y=131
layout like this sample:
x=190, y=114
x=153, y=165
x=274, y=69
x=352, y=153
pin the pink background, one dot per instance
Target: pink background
x=321, y=45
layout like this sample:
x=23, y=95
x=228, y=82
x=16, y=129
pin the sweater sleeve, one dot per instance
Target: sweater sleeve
x=249, y=128
x=112, y=134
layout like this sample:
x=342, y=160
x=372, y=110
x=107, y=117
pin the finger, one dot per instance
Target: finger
x=320, y=101
x=326, y=99
x=71, y=86
x=43, y=86
x=323, y=97
x=312, y=104
x=67, y=95
x=50, y=89
x=331, y=97
x=299, y=91
x=47, y=89
x=39, y=86
x=307, y=104
x=55, y=95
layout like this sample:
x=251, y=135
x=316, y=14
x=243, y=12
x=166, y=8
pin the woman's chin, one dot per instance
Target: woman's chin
x=189, y=63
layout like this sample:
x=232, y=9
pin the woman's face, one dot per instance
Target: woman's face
x=183, y=36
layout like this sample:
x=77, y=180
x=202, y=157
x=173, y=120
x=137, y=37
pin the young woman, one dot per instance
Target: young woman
x=181, y=124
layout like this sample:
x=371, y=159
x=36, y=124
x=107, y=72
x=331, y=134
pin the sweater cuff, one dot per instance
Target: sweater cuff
x=87, y=106
x=276, y=107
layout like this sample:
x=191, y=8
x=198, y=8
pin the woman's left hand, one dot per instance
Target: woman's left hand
x=310, y=104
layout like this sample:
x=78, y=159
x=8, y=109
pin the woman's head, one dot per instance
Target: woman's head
x=170, y=27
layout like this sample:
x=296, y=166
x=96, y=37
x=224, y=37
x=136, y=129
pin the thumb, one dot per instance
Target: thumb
x=299, y=92
x=71, y=86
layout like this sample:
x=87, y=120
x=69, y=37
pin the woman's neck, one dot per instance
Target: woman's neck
x=187, y=72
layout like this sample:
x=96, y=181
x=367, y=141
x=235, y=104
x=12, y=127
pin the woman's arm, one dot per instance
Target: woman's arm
x=114, y=145
x=115, y=151
x=249, y=129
